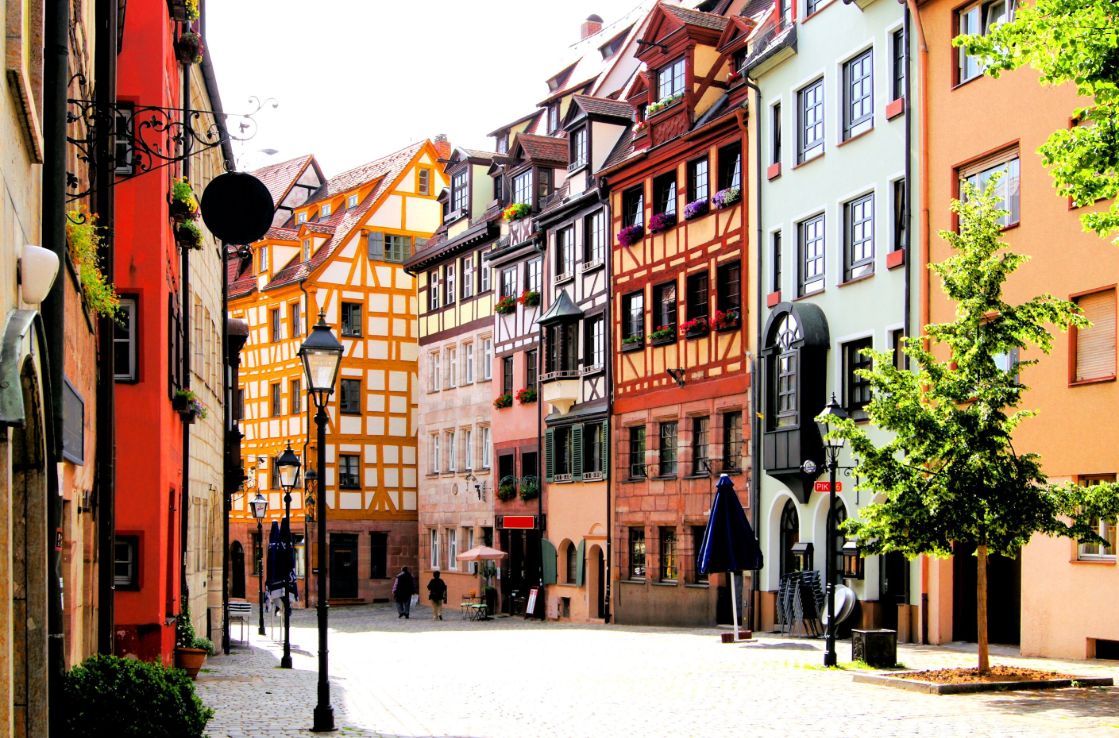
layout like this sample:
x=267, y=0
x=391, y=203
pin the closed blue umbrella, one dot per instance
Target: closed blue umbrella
x=729, y=543
x=287, y=559
x=276, y=577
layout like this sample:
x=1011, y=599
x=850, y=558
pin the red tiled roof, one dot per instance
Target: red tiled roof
x=603, y=106
x=543, y=148
x=323, y=227
x=697, y=17
x=279, y=233
x=279, y=178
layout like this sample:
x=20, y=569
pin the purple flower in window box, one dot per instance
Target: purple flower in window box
x=661, y=222
x=696, y=208
x=729, y=196
x=630, y=235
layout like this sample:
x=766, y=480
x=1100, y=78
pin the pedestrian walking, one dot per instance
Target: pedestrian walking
x=403, y=587
x=437, y=593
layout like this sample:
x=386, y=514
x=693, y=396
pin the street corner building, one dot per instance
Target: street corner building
x=337, y=249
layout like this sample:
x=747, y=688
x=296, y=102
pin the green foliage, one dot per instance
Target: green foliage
x=184, y=629
x=113, y=697
x=188, y=234
x=951, y=473
x=83, y=240
x=1070, y=41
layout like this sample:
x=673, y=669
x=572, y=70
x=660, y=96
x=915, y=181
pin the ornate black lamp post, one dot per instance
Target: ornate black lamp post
x=322, y=354
x=288, y=466
x=832, y=447
x=259, y=507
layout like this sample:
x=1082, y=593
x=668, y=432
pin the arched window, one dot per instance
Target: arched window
x=790, y=535
x=783, y=373
x=572, y=563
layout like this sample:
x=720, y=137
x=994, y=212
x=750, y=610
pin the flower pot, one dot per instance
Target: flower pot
x=188, y=48
x=181, y=211
x=662, y=340
x=190, y=660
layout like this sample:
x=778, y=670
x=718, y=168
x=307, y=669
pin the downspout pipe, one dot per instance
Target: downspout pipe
x=318, y=482
x=607, y=443
x=184, y=270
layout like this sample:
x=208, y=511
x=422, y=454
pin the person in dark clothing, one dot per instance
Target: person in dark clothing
x=403, y=587
x=437, y=593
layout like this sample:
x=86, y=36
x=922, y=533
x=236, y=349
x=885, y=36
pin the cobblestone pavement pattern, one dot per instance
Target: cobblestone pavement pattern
x=508, y=678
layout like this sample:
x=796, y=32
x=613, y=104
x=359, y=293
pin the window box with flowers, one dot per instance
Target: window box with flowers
x=526, y=396
x=188, y=48
x=188, y=235
x=726, y=198
x=529, y=298
x=505, y=305
x=695, y=327
x=503, y=401
x=516, y=211
x=634, y=342
x=507, y=488
x=696, y=209
x=530, y=488
x=630, y=235
x=662, y=335
x=664, y=102
x=727, y=320
x=83, y=241
x=661, y=222
x=187, y=404
x=184, y=205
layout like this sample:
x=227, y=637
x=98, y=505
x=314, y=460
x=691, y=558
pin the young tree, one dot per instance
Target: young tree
x=1070, y=41
x=951, y=473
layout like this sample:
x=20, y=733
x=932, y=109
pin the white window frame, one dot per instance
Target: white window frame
x=468, y=443
x=324, y=210
x=452, y=451
x=434, y=539
x=452, y=367
x=127, y=320
x=1009, y=187
x=452, y=549
x=351, y=201
x=468, y=363
x=487, y=358
x=670, y=79
x=433, y=461
x=484, y=278
x=468, y=276
x=487, y=447
x=436, y=364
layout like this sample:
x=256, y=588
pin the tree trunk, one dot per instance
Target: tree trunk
x=981, y=607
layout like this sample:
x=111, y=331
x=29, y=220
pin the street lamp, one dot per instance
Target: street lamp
x=832, y=447
x=321, y=354
x=259, y=507
x=287, y=468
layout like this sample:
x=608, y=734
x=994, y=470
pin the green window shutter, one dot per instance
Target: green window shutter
x=547, y=561
x=576, y=452
x=549, y=455
x=605, y=448
x=579, y=565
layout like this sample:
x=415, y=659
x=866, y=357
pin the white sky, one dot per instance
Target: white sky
x=357, y=79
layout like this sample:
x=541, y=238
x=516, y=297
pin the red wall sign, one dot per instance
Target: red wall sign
x=519, y=522
x=826, y=486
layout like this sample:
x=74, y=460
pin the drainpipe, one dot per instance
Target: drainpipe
x=541, y=248
x=755, y=378
x=607, y=339
x=307, y=549
x=184, y=269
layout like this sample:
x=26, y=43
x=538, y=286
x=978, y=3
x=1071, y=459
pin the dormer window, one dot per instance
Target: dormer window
x=502, y=144
x=522, y=188
x=301, y=217
x=553, y=117
x=670, y=80
x=578, y=148
x=262, y=259
x=459, y=191
x=324, y=210
x=306, y=249
x=351, y=201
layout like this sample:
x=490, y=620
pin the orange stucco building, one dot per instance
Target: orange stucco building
x=972, y=125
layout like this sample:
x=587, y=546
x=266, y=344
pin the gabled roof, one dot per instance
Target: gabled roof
x=540, y=149
x=696, y=17
x=604, y=107
x=281, y=177
x=736, y=33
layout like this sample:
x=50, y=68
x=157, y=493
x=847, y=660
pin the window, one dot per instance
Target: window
x=775, y=285
x=633, y=206
x=697, y=179
x=378, y=555
x=1094, y=347
x=543, y=185
x=375, y=245
x=350, y=402
x=578, y=148
x=351, y=201
x=449, y=282
x=571, y=568
x=732, y=441
x=452, y=452
x=563, y=453
x=896, y=337
x=811, y=6
x=531, y=368
x=699, y=446
x=858, y=237
x=636, y=553
x=667, y=450
x=507, y=375
x=277, y=404
x=900, y=222
x=858, y=95
x=434, y=545
x=810, y=244
x=730, y=166
x=423, y=181
x=433, y=289
x=1008, y=187
x=664, y=306
x=306, y=253
x=562, y=348
x=348, y=471
x=296, y=320
x=594, y=238
x=637, y=452
x=697, y=544
x=594, y=343
x=324, y=210
x=123, y=162
x=897, y=63
x=810, y=121
x=434, y=458
x=775, y=134
x=633, y=316
x=274, y=324
x=301, y=217
x=262, y=259
x=484, y=278
x=295, y=392
x=698, y=287
x=664, y=193
x=126, y=366
x=509, y=282
x=783, y=371
x=468, y=363
x=459, y=192
x=856, y=389
x=728, y=286
x=468, y=276
x=487, y=358
x=126, y=562
x=351, y=319
x=979, y=19
x=553, y=117
x=398, y=248
x=670, y=570
x=452, y=367
x=1105, y=529
x=594, y=443
x=522, y=188
x=670, y=80
x=487, y=447
x=565, y=253
x=452, y=549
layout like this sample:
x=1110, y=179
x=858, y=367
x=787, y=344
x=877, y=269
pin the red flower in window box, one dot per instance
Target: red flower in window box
x=723, y=321
x=505, y=305
x=503, y=401
x=694, y=327
x=529, y=298
x=526, y=395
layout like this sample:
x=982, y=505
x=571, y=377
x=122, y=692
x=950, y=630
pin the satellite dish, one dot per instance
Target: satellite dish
x=237, y=208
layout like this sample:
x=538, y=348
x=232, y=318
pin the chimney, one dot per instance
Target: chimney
x=591, y=26
x=442, y=145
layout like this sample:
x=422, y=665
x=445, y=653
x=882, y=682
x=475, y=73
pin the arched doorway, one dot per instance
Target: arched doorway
x=790, y=535
x=236, y=570
x=596, y=575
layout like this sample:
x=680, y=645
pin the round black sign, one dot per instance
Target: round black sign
x=237, y=208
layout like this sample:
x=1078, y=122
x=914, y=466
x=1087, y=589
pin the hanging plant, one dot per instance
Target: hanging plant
x=82, y=239
x=506, y=489
x=184, y=206
x=188, y=48
x=187, y=404
x=630, y=235
x=191, y=9
x=530, y=488
x=188, y=235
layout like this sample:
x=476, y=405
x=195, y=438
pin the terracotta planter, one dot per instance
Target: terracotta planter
x=190, y=660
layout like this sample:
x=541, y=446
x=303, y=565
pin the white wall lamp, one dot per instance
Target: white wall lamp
x=37, y=269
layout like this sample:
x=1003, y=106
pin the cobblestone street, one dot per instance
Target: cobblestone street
x=508, y=677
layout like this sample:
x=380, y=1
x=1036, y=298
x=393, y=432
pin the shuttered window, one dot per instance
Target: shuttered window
x=1095, y=346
